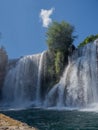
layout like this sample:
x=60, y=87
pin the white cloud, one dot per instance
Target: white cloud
x=45, y=16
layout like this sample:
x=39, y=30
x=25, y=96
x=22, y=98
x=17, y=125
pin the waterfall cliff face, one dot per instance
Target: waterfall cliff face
x=78, y=87
x=22, y=83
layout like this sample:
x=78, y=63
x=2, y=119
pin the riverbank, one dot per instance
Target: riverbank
x=7, y=123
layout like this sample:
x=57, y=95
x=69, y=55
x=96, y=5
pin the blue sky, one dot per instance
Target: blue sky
x=22, y=28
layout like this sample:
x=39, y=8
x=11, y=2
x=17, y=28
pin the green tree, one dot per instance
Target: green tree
x=59, y=40
x=60, y=36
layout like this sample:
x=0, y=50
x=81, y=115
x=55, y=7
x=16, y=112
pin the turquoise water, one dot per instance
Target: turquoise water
x=56, y=120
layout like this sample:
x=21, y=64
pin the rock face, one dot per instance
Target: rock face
x=7, y=123
x=3, y=65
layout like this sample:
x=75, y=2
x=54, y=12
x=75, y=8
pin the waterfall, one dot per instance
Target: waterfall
x=78, y=85
x=38, y=96
x=56, y=94
x=22, y=83
x=77, y=88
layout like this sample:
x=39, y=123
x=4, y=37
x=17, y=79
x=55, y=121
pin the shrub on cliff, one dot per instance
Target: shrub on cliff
x=88, y=39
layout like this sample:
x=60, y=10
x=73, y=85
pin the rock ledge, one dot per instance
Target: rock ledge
x=7, y=123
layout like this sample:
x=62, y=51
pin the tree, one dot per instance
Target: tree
x=59, y=40
x=60, y=36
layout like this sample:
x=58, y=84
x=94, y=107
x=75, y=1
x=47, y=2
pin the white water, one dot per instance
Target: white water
x=56, y=94
x=78, y=87
x=38, y=96
x=22, y=83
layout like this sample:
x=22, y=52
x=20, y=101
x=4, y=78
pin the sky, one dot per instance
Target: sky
x=24, y=23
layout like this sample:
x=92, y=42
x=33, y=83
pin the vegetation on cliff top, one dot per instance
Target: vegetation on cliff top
x=88, y=39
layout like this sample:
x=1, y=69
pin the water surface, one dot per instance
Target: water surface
x=56, y=120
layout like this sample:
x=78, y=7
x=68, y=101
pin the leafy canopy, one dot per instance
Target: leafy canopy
x=60, y=36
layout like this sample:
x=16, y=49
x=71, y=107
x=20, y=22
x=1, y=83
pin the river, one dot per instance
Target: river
x=56, y=119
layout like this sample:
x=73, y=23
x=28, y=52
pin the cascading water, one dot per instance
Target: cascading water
x=56, y=94
x=38, y=96
x=78, y=86
x=22, y=83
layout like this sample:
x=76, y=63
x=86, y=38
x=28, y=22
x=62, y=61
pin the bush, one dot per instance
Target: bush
x=60, y=36
x=59, y=40
x=87, y=40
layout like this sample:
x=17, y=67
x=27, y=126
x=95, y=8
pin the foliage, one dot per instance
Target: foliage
x=59, y=60
x=59, y=40
x=88, y=39
x=60, y=36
